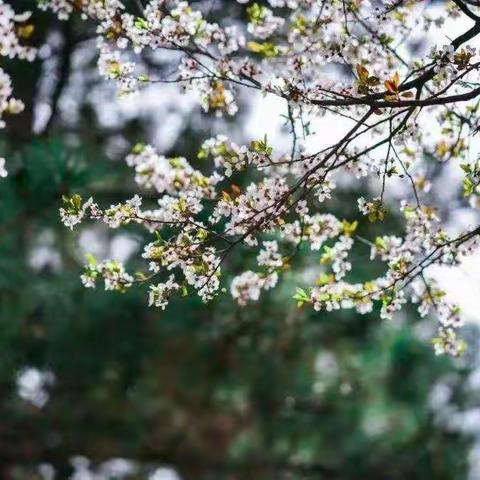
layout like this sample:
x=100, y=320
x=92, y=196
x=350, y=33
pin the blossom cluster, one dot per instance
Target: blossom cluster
x=14, y=29
x=110, y=271
x=399, y=114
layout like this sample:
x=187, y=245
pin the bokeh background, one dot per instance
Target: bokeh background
x=96, y=385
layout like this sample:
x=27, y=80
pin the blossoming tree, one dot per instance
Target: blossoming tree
x=398, y=112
